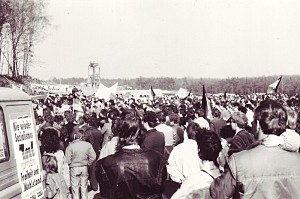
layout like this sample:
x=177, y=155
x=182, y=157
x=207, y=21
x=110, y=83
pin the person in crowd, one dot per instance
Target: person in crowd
x=56, y=186
x=154, y=139
x=174, y=123
x=249, y=113
x=48, y=122
x=168, y=132
x=225, y=113
x=200, y=113
x=197, y=185
x=107, y=128
x=110, y=147
x=82, y=123
x=290, y=139
x=50, y=145
x=242, y=139
x=217, y=123
x=69, y=124
x=263, y=171
x=79, y=156
x=94, y=136
x=183, y=160
x=133, y=171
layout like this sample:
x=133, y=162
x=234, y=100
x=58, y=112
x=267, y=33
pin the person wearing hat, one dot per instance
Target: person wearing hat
x=242, y=138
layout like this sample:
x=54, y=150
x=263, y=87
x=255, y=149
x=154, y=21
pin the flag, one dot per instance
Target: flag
x=272, y=88
x=182, y=93
x=106, y=93
x=188, y=95
x=206, y=106
x=152, y=92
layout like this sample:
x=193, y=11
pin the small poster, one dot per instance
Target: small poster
x=27, y=158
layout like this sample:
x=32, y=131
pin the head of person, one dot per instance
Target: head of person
x=150, y=117
x=161, y=117
x=50, y=140
x=192, y=130
x=79, y=134
x=174, y=118
x=209, y=145
x=93, y=122
x=270, y=117
x=69, y=116
x=49, y=119
x=242, y=109
x=200, y=112
x=49, y=163
x=130, y=129
x=112, y=114
x=216, y=113
x=238, y=120
x=191, y=113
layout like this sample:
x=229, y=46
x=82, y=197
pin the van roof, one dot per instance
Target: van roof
x=10, y=94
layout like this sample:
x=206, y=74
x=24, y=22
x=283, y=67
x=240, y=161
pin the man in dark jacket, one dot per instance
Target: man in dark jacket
x=153, y=139
x=242, y=139
x=132, y=172
x=94, y=136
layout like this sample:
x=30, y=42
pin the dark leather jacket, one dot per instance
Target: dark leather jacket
x=132, y=173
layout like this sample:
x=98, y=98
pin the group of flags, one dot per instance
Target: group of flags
x=272, y=88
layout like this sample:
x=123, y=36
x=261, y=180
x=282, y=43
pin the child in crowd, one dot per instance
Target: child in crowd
x=56, y=187
x=79, y=156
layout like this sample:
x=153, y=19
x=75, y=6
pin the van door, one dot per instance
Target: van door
x=23, y=166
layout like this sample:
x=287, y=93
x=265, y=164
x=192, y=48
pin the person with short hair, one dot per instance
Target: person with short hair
x=133, y=171
x=154, y=139
x=197, y=185
x=263, y=171
x=79, y=156
x=183, y=160
x=242, y=139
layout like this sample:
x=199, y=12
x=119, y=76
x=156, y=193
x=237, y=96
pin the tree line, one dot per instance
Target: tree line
x=21, y=26
x=290, y=84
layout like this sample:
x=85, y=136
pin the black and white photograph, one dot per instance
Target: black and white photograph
x=149, y=99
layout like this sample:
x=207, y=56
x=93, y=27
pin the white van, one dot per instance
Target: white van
x=20, y=160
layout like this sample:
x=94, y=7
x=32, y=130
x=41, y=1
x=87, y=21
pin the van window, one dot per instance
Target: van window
x=4, y=150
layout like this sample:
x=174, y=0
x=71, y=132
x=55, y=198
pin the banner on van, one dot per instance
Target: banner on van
x=27, y=158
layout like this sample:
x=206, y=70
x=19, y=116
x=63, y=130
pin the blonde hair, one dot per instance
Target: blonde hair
x=50, y=163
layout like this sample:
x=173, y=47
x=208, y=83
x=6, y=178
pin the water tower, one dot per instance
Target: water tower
x=94, y=74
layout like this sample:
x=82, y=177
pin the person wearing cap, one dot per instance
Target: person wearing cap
x=242, y=139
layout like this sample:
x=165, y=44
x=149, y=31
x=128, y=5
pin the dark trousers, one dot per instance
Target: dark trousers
x=92, y=177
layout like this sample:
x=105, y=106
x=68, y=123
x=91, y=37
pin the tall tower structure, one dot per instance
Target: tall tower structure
x=93, y=74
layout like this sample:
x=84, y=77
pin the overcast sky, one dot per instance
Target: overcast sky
x=170, y=38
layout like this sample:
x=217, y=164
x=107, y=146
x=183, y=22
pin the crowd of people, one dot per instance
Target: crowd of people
x=168, y=148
